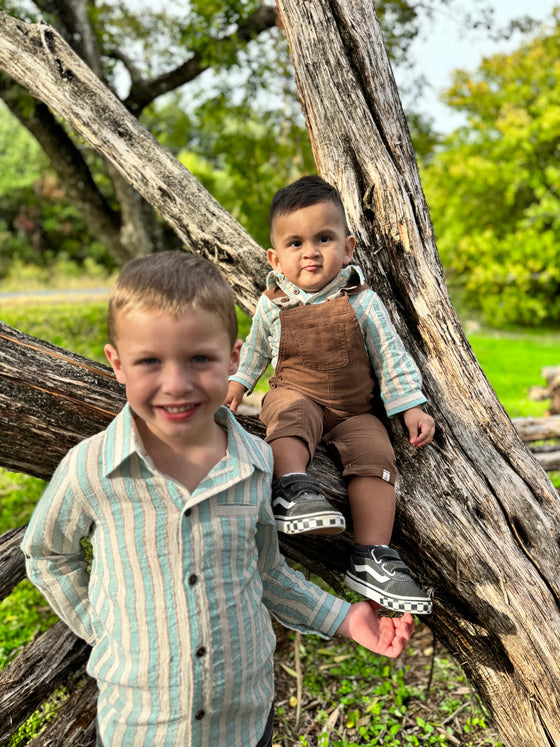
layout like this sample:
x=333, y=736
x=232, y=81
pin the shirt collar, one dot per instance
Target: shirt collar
x=346, y=276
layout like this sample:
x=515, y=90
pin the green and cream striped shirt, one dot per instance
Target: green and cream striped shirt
x=176, y=603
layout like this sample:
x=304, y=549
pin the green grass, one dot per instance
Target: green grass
x=513, y=361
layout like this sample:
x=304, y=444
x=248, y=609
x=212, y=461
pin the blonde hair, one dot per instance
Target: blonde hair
x=172, y=282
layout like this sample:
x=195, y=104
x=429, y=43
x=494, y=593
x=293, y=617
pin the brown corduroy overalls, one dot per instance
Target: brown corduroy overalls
x=323, y=386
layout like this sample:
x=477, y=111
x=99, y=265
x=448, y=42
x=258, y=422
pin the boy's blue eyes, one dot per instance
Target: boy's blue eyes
x=156, y=361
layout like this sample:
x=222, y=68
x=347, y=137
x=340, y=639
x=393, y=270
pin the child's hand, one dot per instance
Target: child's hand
x=234, y=395
x=382, y=635
x=421, y=426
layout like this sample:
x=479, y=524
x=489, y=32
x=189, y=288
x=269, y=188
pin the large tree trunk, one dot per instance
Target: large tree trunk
x=478, y=519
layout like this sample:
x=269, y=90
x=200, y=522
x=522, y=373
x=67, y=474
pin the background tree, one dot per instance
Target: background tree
x=196, y=74
x=494, y=184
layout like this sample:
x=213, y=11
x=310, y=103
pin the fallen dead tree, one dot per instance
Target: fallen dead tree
x=536, y=430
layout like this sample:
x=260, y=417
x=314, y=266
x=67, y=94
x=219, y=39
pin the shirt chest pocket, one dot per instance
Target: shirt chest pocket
x=234, y=527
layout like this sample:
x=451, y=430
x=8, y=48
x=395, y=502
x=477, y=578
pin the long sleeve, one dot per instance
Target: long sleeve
x=399, y=378
x=257, y=351
x=55, y=559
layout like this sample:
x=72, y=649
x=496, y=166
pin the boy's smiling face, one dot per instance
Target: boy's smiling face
x=175, y=371
x=310, y=245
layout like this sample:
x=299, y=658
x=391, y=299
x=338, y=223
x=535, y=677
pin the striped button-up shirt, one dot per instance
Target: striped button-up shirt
x=399, y=379
x=176, y=603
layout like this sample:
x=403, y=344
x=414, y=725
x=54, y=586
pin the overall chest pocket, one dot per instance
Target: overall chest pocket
x=322, y=349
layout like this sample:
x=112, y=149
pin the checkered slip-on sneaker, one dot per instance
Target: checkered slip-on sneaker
x=300, y=507
x=378, y=573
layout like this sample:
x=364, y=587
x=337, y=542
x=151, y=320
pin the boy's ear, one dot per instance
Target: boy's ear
x=234, y=359
x=115, y=362
x=273, y=260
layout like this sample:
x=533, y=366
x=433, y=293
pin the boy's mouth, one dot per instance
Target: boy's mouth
x=177, y=408
x=179, y=412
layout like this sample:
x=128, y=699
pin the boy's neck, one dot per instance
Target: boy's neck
x=187, y=463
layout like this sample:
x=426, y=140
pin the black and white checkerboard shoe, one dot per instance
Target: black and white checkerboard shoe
x=378, y=573
x=300, y=507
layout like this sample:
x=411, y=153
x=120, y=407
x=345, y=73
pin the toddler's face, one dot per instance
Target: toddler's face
x=175, y=371
x=310, y=246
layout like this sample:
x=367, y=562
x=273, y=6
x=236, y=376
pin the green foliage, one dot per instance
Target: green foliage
x=513, y=361
x=35, y=723
x=368, y=699
x=36, y=222
x=244, y=158
x=24, y=615
x=493, y=187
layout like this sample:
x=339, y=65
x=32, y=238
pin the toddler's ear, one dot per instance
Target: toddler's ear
x=113, y=357
x=273, y=260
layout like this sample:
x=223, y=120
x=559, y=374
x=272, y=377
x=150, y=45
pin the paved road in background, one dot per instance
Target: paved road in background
x=64, y=294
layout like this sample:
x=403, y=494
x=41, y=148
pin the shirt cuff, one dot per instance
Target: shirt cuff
x=396, y=406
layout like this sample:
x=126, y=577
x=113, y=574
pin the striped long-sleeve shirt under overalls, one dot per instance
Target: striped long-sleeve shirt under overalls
x=176, y=603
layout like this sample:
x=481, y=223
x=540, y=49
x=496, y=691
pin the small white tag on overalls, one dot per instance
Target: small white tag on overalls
x=386, y=476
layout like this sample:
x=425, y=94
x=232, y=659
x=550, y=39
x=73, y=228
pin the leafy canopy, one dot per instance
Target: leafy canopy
x=494, y=186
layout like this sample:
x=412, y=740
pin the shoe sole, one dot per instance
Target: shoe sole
x=324, y=524
x=397, y=604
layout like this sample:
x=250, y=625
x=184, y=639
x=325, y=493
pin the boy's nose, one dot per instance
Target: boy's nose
x=176, y=380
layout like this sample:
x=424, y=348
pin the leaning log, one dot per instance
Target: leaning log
x=476, y=512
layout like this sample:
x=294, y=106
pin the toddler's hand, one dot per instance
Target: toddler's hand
x=421, y=426
x=382, y=635
x=234, y=395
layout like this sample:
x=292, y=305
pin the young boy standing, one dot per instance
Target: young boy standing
x=175, y=498
x=333, y=346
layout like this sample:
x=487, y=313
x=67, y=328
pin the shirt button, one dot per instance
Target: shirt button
x=193, y=578
x=199, y=715
x=200, y=651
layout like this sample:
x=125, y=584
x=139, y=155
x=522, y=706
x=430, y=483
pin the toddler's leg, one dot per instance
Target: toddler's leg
x=375, y=570
x=294, y=427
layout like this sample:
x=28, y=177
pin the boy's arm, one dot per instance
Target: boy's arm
x=383, y=635
x=55, y=559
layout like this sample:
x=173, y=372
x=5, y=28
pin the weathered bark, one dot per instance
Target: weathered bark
x=74, y=725
x=478, y=520
x=49, y=400
x=37, y=57
x=54, y=659
x=12, y=564
x=477, y=516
